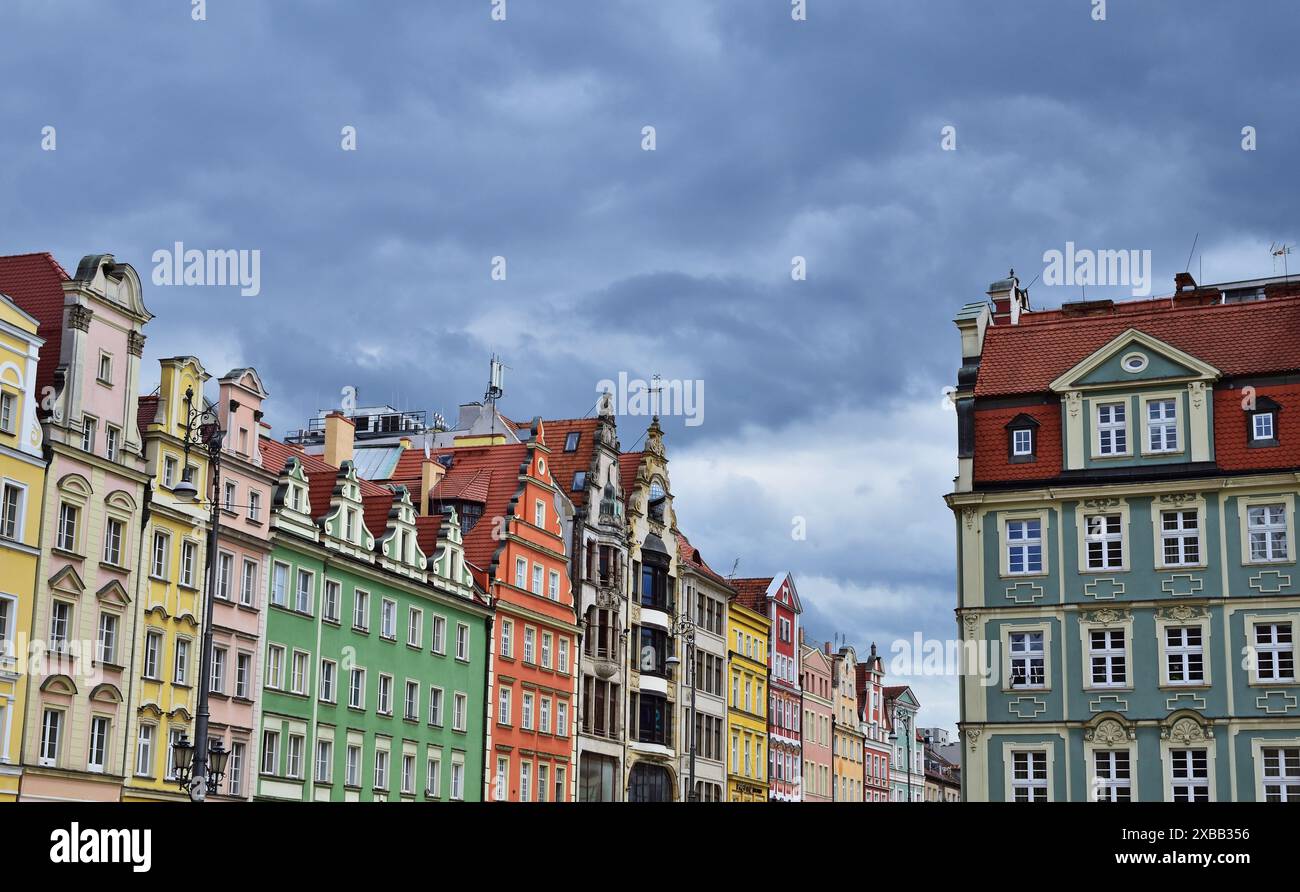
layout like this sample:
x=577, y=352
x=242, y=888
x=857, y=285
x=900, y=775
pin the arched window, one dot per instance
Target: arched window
x=649, y=783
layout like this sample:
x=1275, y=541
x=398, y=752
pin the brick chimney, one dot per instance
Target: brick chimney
x=1188, y=294
x=339, y=430
x=431, y=474
x=1009, y=300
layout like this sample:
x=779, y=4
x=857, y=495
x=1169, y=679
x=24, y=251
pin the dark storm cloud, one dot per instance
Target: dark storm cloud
x=522, y=139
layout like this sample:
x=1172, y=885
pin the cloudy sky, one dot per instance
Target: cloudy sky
x=774, y=138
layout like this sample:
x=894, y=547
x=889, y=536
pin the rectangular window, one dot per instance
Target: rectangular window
x=270, y=752
x=1267, y=527
x=280, y=585
x=152, y=654
x=563, y=663
x=544, y=715
x=1027, y=660
x=298, y=675
x=189, y=559
x=248, y=583
x=144, y=750
x=433, y=774
x=381, y=769
x=457, y=777
x=97, y=753
x=51, y=728
x=435, y=706
x=324, y=761
x=415, y=627
x=88, y=434
x=1108, y=658
x=357, y=688
x=507, y=638
x=254, y=506
x=388, y=618
x=1112, y=429
x=537, y=579
x=525, y=781
x=181, y=675
x=412, y=701
x=1180, y=537
x=500, y=788
x=304, y=592
x=543, y=781
x=275, y=666
x=329, y=607
x=547, y=638
x=526, y=711
x=385, y=706
x=1274, y=652
x=328, y=668
x=105, y=373
x=530, y=645
x=1024, y=546
x=459, y=707
x=539, y=513
x=231, y=492
x=169, y=472
x=113, y=542
x=293, y=767
x=1262, y=426
x=1281, y=774
x=353, y=769
x=1022, y=441
x=218, y=681
x=1029, y=776
x=108, y=638
x=1114, y=776
x=408, y=773
x=1184, y=655
x=361, y=611
x=1105, y=540
x=112, y=437
x=225, y=574
x=521, y=573
x=1189, y=773
x=11, y=511
x=561, y=719
x=553, y=586
x=67, y=538
x=243, y=674
x=439, y=635
x=235, y=768
x=7, y=403
x=1162, y=426
x=462, y=641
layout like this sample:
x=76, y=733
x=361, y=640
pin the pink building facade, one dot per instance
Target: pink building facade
x=877, y=725
x=818, y=721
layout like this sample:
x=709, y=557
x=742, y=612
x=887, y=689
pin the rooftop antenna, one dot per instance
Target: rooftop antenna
x=1188, y=267
x=656, y=388
x=1282, y=250
x=734, y=565
x=496, y=375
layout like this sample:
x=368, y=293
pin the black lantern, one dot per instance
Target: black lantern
x=217, y=756
x=182, y=759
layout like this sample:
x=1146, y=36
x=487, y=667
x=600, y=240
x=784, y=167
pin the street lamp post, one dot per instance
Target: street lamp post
x=203, y=430
x=685, y=629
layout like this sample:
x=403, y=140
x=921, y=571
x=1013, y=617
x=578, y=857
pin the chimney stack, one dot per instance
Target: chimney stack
x=339, y=430
x=1009, y=300
x=1188, y=294
x=431, y=474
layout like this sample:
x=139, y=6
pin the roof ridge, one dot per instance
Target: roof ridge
x=1059, y=319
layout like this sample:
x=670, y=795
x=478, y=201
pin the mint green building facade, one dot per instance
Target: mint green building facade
x=1125, y=509
x=375, y=650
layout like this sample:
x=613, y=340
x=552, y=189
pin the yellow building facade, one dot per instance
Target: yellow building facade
x=173, y=554
x=22, y=479
x=747, y=642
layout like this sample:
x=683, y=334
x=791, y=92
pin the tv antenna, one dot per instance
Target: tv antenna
x=1282, y=251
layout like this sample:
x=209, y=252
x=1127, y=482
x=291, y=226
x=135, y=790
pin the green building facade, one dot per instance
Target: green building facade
x=375, y=651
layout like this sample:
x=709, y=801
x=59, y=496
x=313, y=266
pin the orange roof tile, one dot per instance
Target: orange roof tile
x=565, y=464
x=1238, y=339
x=752, y=592
x=691, y=555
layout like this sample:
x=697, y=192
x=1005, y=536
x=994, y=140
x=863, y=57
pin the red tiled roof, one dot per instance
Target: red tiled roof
x=565, y=464
x=321, y=476
x=494, y=472
x=467, y=484
x=752, y=592
x=35, y=282
x=628, y=462
x=1232, y=449
x=1238, y=339
x=991, y=444
x=691, y=555
x=427, y=527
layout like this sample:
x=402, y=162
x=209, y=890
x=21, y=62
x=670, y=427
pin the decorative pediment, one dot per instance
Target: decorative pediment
x=106, y=693
x=448, y=563
x=345, y=524
x=1109, y=729
x=907, y=699
x=114, y=594
x=75, y=485
x=1187, y=728
x=1021, y=421
x=399, y=547
x=291, y=501
x=58, y=684
x=68, y=581
x=150, y=709
x=1134, y=357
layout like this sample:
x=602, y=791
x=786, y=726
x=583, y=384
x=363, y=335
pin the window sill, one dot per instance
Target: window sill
x=71, y=555
x=1177, y=686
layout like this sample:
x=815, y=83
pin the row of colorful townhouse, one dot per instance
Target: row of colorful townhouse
x=484, y=609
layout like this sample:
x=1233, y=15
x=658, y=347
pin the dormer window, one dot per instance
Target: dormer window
x=1162, y=425
x=1261, y=423
x=579, y=480
x=1022, y=439
x=571, y=441
x=1112, y=429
